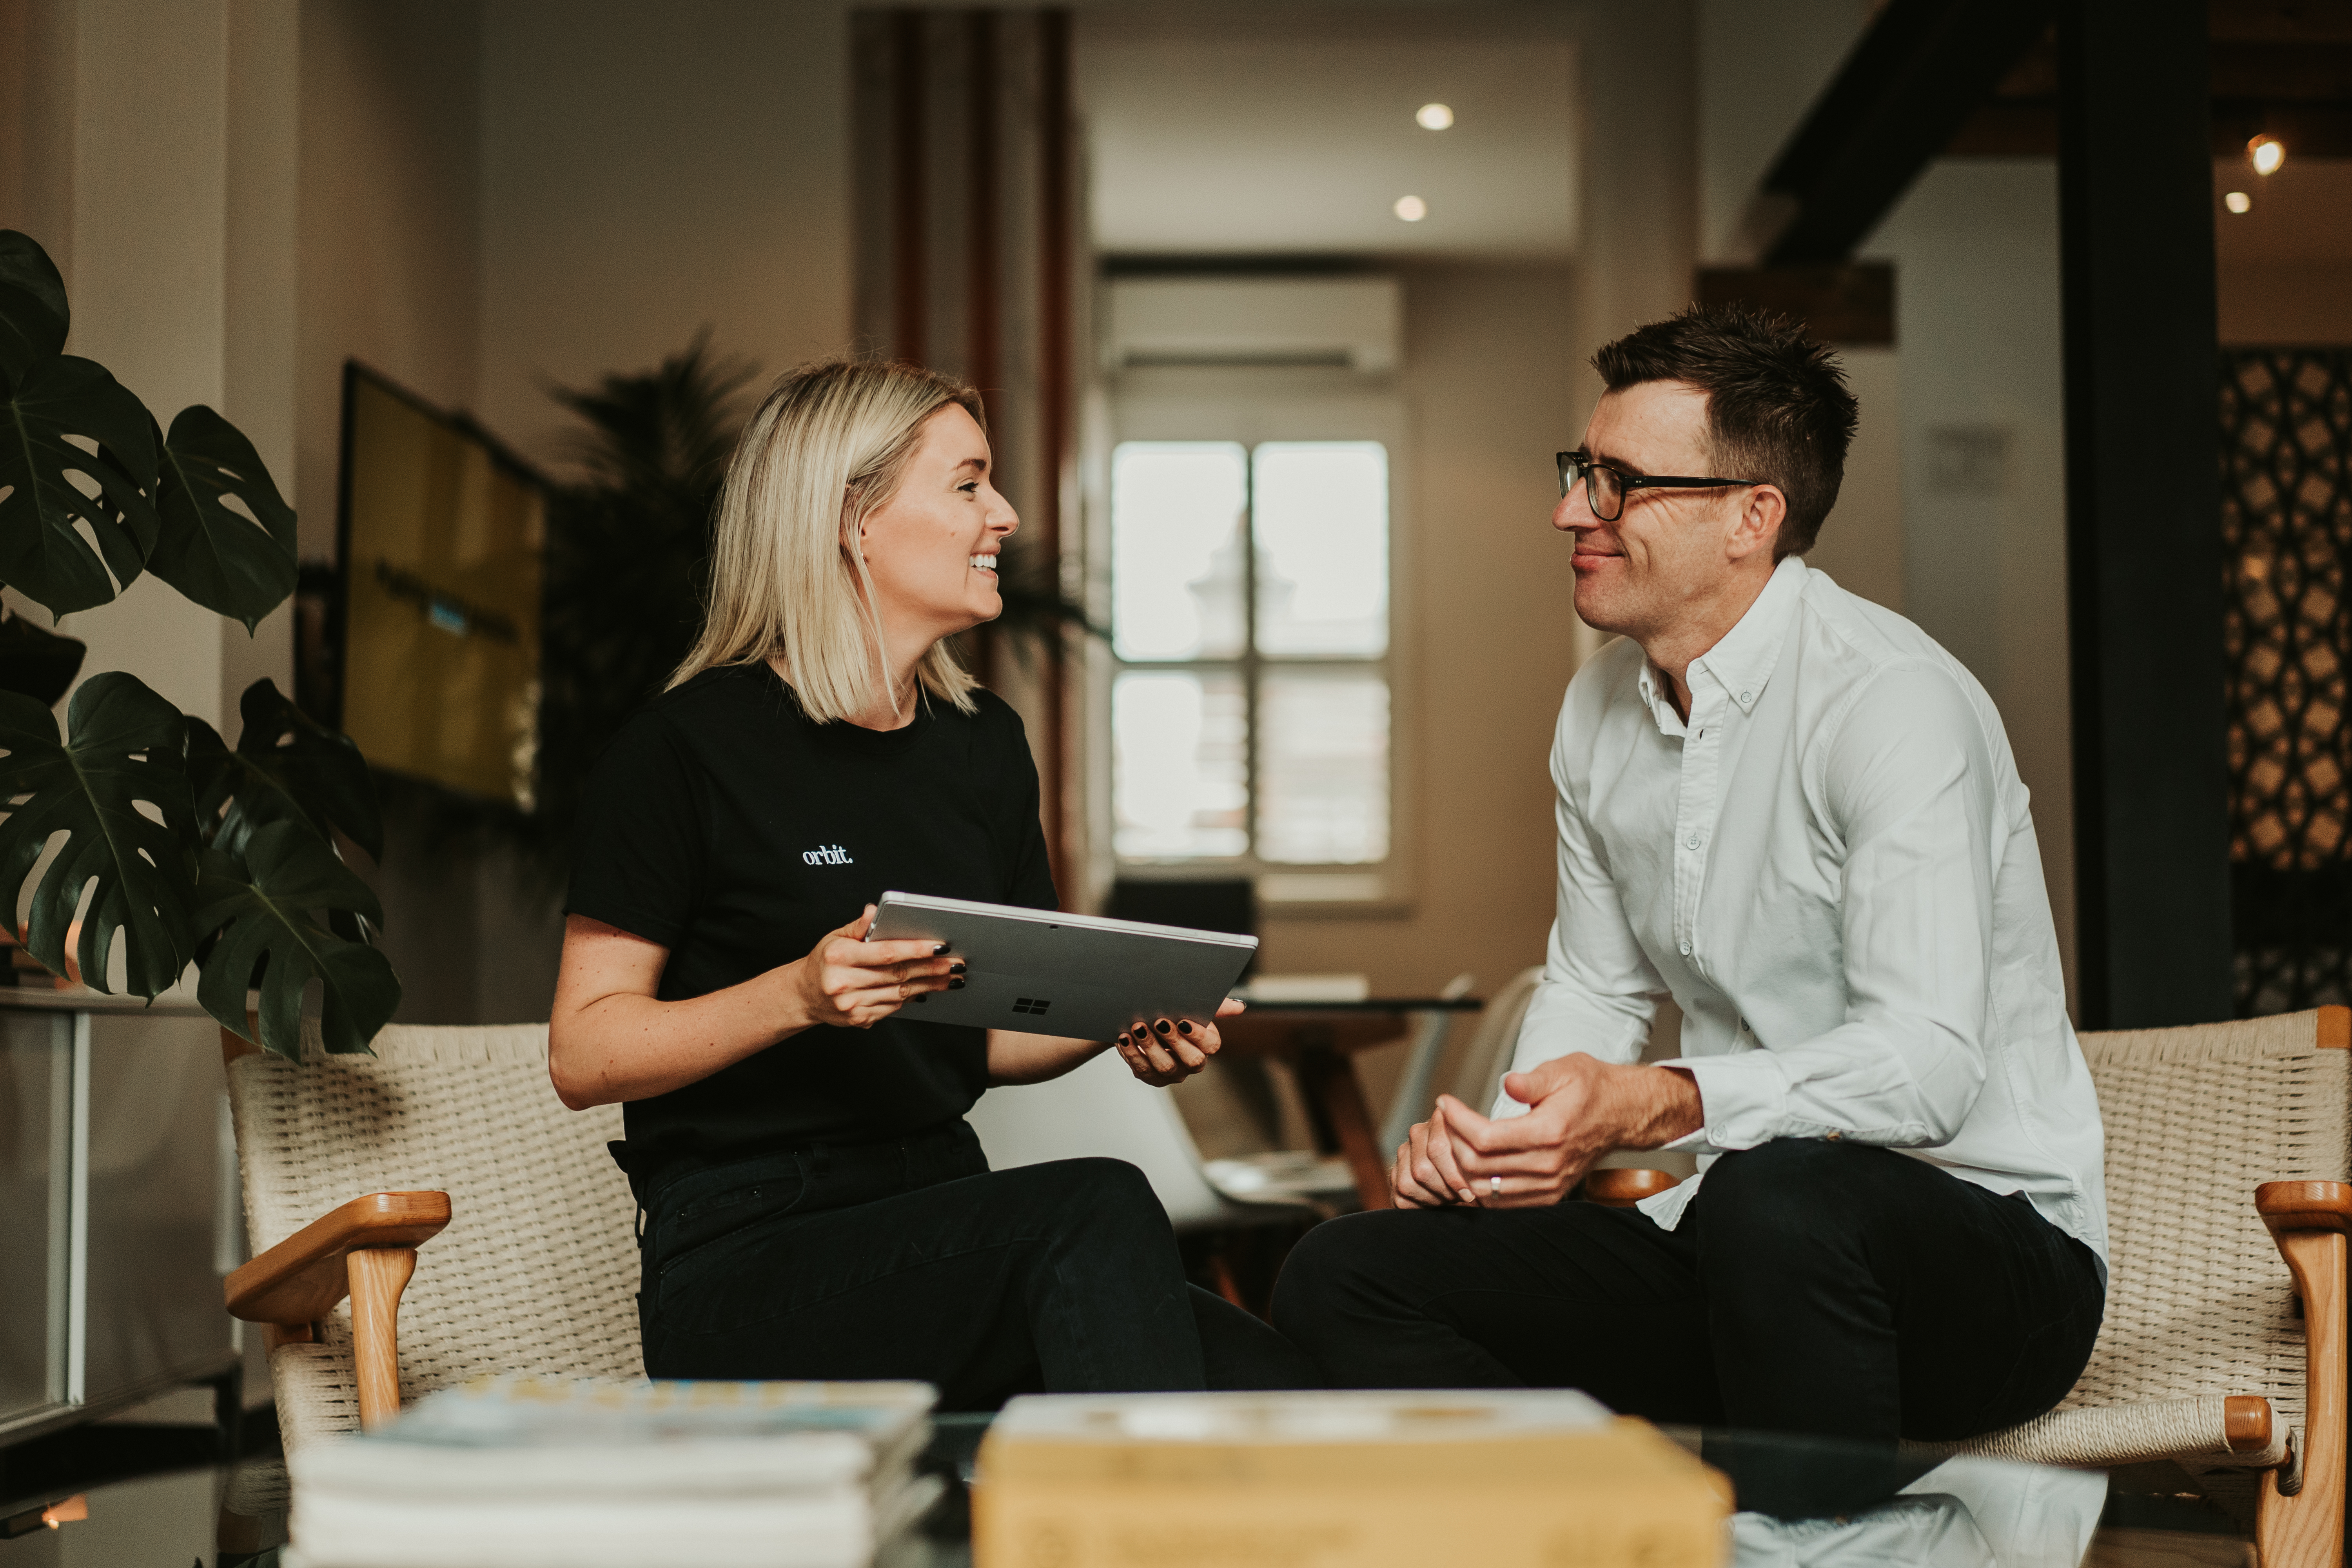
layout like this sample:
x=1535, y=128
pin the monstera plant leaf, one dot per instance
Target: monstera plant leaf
x=260, y=903
x=286, y=766
x=33, y=315
x=235, y=561
x=126, y=751
x=42, y=554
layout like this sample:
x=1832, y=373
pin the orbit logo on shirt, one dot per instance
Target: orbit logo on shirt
x=826, y=855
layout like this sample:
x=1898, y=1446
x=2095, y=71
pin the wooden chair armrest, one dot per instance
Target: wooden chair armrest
x=2309, y=1220
x=300, y=1279
x=2304, y=1205
x=1619, y=1188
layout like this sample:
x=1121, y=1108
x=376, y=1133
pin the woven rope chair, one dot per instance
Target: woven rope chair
x=2228, y=1148
x=448, y=1134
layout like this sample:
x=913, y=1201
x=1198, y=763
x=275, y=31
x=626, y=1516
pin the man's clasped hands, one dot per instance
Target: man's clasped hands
x=1578, y=1108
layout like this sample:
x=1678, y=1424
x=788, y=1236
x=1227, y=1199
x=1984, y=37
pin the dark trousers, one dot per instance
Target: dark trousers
x=913, y=1259
x=1810, y=1287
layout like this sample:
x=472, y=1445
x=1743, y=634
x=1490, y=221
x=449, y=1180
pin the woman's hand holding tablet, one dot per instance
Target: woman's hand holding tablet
x=1164, y=1051
x=848, y=982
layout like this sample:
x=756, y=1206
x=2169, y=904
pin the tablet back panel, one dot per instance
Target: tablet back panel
x=1045, y=972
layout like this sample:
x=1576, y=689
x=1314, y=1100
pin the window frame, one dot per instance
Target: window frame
x=1250, y=407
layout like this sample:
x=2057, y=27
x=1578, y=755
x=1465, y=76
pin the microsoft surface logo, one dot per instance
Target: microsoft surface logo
x=1030, y=1004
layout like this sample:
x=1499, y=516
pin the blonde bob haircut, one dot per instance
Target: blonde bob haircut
x=828, y=448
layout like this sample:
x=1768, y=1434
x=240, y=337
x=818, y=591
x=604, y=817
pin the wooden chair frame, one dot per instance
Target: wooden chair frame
x=367, y=1250
x=2299, y=1515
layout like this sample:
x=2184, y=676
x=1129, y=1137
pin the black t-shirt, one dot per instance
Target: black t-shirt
x=726, y=826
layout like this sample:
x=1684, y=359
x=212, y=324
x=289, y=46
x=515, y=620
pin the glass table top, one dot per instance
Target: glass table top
x=1808, y=1503
x=1804, y=1503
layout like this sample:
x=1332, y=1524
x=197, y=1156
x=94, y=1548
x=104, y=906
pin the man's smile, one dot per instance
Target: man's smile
x=1592, y=553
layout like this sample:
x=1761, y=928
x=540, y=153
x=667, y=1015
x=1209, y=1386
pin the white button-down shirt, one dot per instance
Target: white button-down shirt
x=1832, y=869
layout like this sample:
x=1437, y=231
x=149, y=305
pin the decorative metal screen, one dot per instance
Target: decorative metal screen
x=2286, y=528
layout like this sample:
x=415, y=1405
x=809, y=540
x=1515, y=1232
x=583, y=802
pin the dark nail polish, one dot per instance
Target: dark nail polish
x=1184, y=1027
x=922, y=995
x=941, y=948
x=955, y=984
x=1123, y=1040
x=1161, y=1025
x=956, y=967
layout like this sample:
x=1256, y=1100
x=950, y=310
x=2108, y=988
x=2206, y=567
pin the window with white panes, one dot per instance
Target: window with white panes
x=1249, y=700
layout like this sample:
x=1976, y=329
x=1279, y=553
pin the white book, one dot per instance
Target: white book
x=513, y=1437
x=842, y=1531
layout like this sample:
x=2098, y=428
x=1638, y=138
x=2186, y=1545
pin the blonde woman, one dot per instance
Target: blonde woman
x=815, y=1205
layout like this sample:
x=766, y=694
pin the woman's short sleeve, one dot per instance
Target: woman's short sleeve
x=638, y=859
x=1029, y=868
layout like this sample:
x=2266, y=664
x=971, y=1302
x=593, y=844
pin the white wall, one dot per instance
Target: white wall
x=650, y=170
x=1975, y=248
x=1861, y=545
x=390, y=200
x=1491, y=383
x=147, y=155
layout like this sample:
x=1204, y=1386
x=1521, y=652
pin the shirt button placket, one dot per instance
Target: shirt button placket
x=1696, y=803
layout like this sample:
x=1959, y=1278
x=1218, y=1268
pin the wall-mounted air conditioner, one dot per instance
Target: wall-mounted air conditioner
x=1351, y=323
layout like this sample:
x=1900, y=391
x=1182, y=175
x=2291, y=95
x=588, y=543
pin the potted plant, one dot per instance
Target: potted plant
x=186, y=850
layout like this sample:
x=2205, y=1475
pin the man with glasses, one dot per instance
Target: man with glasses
x=1792, y=812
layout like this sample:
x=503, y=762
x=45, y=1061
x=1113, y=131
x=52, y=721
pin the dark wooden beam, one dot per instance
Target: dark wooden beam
x=1849, y=304
x=2143, y=514
x=1911, y=82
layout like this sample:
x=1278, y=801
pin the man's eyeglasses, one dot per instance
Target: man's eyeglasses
x=1605, y=488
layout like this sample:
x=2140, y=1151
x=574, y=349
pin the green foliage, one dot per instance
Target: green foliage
x=33, y=315
x=626, y=556
x=183, y=847
x=128, y=749
x=46, y=405
x=259, y=902
x=286, y=767
x=235, y=561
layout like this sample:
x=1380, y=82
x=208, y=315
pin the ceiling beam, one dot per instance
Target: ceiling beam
x=1912, y=80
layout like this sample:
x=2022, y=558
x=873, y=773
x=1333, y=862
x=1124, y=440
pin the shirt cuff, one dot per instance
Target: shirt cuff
x=1743, y=1097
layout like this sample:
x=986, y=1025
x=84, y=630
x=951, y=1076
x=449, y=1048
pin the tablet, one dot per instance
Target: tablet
x=1045, y=972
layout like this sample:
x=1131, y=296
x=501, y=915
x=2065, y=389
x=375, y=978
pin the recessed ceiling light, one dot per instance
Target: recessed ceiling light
x=1434, y=116
x=2237, y=202
x=2267, y=153
x=1413, y=209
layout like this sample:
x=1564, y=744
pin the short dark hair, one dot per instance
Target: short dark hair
x=1777, y=404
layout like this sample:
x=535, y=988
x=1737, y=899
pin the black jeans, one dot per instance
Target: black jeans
x=1810, y=1287
x=913, y=1259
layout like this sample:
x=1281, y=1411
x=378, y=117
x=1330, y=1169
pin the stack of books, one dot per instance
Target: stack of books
x=519, y=1472
x=1499, y=1478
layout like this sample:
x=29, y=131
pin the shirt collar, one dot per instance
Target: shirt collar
x=1742, y=661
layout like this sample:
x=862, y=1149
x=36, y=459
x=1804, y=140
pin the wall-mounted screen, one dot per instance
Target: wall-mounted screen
x=442, y=537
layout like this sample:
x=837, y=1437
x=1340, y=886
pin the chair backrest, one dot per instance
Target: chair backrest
x=538, y=1270
x=2198, y=1302
x=1099, y=1109
x=1477, y=1074
x=1201, y=903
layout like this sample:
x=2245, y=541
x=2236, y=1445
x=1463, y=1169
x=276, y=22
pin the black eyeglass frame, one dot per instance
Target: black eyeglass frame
x=1628, y=483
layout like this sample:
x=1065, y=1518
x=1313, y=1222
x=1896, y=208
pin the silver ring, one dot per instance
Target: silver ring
x=1495, y=1185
